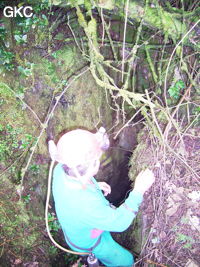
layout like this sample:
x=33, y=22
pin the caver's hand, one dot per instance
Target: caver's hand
x=144, y=181
x=105, y=188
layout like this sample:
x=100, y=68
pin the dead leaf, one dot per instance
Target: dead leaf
x=172, y=210
x=17, y=261
x=31, y=264
x=191, y=263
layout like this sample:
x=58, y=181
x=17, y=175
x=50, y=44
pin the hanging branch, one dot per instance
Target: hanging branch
x=108, y=34
x=124, y=38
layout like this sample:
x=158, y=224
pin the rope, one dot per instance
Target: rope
x=46, y=215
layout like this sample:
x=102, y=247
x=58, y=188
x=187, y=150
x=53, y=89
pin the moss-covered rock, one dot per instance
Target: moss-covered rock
x=83, y=105
x=20, y=230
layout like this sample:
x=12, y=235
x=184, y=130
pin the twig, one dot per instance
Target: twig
x=99, y=120
x=188, y=127
x=170, y=259
x=72, y=32
x=190, y=168
x=24, y=103
x=124, y=38
x=126, y=124
x=7, y=168
x=154, y=117
x=110, y=39
x=143, y=258
x=103, y=25
x=155, y=77
x=167, y=128
x=157, y=264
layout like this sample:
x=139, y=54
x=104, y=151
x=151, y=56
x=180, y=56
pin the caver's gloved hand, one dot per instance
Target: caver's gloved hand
x=144, y=181
x=105, y=188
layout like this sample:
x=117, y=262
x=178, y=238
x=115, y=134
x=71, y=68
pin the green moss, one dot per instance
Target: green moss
x=134, y=170
x=5, y=93
x=84, y=102
x=18, y=230
x=156, y=18
x=136, y=234
x=65, y=57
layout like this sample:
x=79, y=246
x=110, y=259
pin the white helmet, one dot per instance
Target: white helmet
x=79, y=147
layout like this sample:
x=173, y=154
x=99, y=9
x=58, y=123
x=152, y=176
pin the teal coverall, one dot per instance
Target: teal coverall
x=82, y=212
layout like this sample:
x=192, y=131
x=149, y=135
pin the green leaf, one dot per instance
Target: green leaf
x=25, y=71
x=180, y=84
x=60, y=36
x=20, y=38
x=174, y=91
x=187, y=245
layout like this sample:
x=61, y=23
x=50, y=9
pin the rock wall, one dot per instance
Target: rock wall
x=84, y=105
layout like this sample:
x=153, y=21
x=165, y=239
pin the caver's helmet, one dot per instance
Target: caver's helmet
x=79, y=147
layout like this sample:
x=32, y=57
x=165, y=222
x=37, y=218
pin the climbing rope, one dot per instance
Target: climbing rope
x=46, y=215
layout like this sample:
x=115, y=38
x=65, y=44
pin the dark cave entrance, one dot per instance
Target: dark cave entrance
x=120, y=183
x=116, y=172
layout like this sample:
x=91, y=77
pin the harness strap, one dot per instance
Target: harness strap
x=128, y=208
x=88, y=249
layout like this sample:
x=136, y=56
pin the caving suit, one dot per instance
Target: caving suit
x=86, y=218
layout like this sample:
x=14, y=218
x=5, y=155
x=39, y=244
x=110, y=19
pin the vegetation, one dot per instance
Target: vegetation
x=124, y=63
